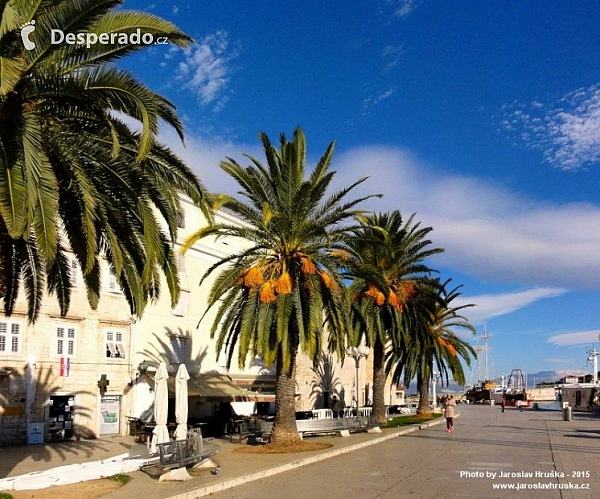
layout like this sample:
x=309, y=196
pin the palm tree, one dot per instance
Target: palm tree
x=277, y=296
x=72, y=173
x=434, y=344
x=389, y=255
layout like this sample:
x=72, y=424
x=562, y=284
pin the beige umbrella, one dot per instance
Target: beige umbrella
x=181, y=402
x=160, y=434
x=30, y=385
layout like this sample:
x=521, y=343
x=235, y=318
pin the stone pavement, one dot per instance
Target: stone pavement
x=31, y=458
x=529, y=454
x=485, y=441
x=235, y=468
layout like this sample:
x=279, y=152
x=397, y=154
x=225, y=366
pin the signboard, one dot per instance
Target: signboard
x=35, y=433
x=110, y=411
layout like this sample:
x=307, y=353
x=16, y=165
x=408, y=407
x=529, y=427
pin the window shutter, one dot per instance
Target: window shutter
x=71, y=336
x=15, y=329
x=73, y=271
x=3, y=329
x=60, y=334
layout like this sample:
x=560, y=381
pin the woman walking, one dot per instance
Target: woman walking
x=449, y=405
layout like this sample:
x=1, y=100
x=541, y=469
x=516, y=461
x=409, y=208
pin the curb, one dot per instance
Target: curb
x=258, y=475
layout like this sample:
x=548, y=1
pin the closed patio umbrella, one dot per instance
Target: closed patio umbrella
x=30, y=385
x=160, y=434
x=181, y=402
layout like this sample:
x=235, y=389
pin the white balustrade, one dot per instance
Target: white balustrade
x=322, y=414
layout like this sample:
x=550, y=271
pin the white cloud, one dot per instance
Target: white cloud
x=204, y=156
x=392, y=54
x=377, y=98
x=567, y=132
x=494, y=305
x=486, y=230
x=402, y=7
x=206, y=68
x=579, y=338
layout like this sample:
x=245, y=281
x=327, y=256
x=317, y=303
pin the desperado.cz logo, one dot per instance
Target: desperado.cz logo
x=26, y=30
x=58, y=36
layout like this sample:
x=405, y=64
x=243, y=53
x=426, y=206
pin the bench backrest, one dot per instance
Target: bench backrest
x=180, y=450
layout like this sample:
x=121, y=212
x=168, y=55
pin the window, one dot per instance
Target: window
x=181, y=218
x=181, y=309
x=10, y=337
x=113, y=284
x=73, y=271
x=65, y=341
x=114, y=345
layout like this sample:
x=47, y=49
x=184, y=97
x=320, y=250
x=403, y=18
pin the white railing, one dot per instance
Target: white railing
x=322, y=414
x=364, y=411
x=347, y=413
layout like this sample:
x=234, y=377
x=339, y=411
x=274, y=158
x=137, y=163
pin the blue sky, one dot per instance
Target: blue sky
x=482, y=117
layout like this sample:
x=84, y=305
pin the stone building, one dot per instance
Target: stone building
x=84, y=374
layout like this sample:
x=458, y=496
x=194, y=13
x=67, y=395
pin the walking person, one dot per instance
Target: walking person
x=449, y=405
x=502, y=403
x=335, y=406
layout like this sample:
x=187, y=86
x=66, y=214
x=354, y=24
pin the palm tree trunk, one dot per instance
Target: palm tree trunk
x=378, y=416
x=284, y=427
x=423, y=389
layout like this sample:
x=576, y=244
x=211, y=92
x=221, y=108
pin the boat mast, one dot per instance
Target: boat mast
x=593, y=357
x=486, y=338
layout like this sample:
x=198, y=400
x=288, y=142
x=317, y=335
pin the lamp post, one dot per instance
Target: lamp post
x=357, y=354
x=435, y=376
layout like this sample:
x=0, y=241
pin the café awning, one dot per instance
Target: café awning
x=264, y=397
x=214, y=388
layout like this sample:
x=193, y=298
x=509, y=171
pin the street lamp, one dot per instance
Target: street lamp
x=357, y=354
x=435, y=376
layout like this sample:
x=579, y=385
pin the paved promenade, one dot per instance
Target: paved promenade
x=535, y=450
x=467, y=463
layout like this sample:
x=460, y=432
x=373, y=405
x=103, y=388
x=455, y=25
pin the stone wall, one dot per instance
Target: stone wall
x=332, y=377
x=13, y=424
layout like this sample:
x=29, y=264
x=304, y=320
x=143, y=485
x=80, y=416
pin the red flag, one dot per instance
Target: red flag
x=65, y=366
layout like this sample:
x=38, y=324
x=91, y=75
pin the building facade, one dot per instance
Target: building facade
x=83, y=375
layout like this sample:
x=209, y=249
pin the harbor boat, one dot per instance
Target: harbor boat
x=481, y=393
x=516, y=394
x=583, y=397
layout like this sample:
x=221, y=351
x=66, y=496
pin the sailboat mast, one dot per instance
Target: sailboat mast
x=485, y=338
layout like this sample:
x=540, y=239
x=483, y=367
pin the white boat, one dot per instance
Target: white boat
x=583, y=397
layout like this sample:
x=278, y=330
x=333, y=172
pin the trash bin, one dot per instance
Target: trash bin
x=567, y=413
x=492, y=402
